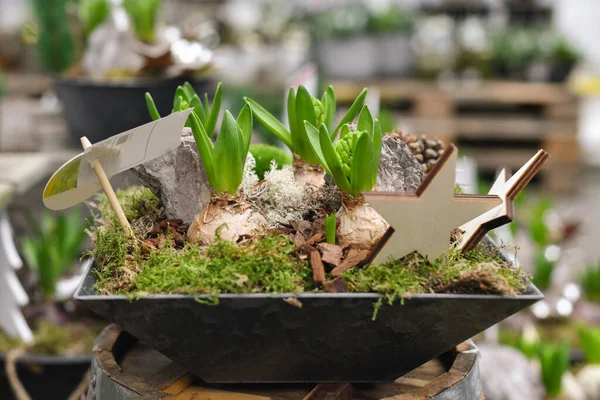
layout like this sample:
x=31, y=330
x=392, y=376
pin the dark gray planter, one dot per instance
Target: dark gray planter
x=100, y=109
x=331, y=338
x=46, y=377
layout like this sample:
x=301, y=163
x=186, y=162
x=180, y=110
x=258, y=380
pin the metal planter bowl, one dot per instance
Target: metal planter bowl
x=331, y=338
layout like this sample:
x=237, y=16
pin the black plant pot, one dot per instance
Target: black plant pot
x=100, y=109
x=46, y=377
x=331, y=338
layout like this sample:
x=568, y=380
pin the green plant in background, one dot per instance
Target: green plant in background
x=526, y=345
x=342, y=22
x=589, y=337
x=301, y=107
x=265, y=153
x=514, y=48
x=353, y=162
x=55, y=45
x=590, y=282
x=224, y=161
x=143, y=15
x=538, y=228
x=389, y=21
x=554, y=360
x=387, y=120
x=330, y=228
x=563, y=51
x=55, y=246
x=542, y=270
x=92, y=13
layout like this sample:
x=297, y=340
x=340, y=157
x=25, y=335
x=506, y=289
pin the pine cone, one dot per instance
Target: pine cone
x=426, y=151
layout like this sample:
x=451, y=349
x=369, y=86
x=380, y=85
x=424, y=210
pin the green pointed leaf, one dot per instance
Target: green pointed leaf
x=196, y=104
x=377, y=141
x=206, y=106
x=245, y=123
x=315, y=142
x=205, y=149
x=352, y=111
x=305, y=111
x=360, y=179
x=189, y=90
x=365, y=121
x=30, y=249
x=154, y=114
x=227, y=155
x=330, y=228
x=590, y=342
x=333, y=162
x=181, y=93
x=329, y=107
x=177, y=104
x=270, y=122
x=292, y=121
x=211, y=118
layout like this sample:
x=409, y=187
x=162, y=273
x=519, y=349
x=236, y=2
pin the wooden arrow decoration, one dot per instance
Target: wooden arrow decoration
x=507, y=190
x=423, y=221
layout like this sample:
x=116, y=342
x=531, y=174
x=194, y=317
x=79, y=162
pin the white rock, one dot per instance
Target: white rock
x=571, y=389
x=589, y=380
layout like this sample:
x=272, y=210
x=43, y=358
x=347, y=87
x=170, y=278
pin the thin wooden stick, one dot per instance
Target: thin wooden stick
x=110, y=193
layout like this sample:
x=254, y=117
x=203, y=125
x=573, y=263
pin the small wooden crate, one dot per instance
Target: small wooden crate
x=122, y=368
x=499, y=123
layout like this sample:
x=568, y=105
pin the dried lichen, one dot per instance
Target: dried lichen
x=282, y=199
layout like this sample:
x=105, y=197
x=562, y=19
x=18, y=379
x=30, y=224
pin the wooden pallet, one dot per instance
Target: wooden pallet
x=500, y=124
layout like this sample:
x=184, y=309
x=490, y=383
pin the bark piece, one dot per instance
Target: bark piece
x=317, y=267
x=330, y=253
x=338, y=285
x=353, y=258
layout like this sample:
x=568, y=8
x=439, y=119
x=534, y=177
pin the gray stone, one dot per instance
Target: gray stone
x=399, y=170
x=178, y=179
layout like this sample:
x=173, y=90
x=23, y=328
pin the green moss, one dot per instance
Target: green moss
x=264, y=154
x=136, y=202
x=477, y=272
x=270, y=264
x=262, y=265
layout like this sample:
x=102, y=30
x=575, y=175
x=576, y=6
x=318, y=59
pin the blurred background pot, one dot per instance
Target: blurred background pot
x=100, y=109
x=351, y=58
x=46, y=377
x=396, y=56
